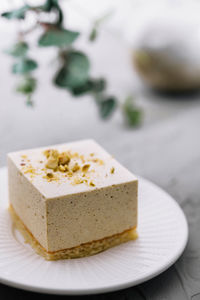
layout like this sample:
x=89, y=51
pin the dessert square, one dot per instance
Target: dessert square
x=71, y=200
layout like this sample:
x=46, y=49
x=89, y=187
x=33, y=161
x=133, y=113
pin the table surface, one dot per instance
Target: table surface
x=165, y=149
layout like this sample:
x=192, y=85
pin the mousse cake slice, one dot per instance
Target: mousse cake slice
x=71, y=200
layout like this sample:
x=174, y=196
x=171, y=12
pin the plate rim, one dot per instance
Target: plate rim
x=115, y=286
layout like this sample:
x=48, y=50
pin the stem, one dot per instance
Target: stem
x=23, y=33
x=29, y=101
x=97, y=97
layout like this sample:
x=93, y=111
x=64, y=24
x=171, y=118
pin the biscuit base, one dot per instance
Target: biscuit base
x=82, y=250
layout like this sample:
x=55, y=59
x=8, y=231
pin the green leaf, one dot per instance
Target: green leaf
x=58, y=37
x=26, y=86
x=98, y=85
x=91, y=85
x=93, y=34
x=60, y=16
x=107, y=107
x=50, y=5
x=24, y=66
x=133, y=114
x=17, y=13
x=82, y=89
x=75, y=73
x=17, y=50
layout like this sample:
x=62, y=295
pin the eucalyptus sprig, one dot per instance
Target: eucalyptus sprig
x=73, y=73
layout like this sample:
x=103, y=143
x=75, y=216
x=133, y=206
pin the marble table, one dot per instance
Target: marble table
x=165, y=149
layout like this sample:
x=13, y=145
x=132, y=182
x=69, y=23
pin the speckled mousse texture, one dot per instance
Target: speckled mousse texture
x=89, y=198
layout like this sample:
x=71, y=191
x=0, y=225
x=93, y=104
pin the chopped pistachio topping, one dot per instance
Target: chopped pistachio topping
x=82, y=158
x=64, y=168
x=63, y=158
x=70, y=174
x=52, y=159
x=98, y=161
x=85, y=168
x=29, y=169
x=46, y=153
x=77, y=180
x=51, y=152
x=52, y=163
x=75, y=168
x=101, y=162
x=50, y=175
x=112, y=170
x=91, y=183
x=70, y=163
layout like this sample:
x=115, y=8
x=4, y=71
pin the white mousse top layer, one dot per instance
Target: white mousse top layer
x=103, y=170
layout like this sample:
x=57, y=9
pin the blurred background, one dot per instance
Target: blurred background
x=149, y=50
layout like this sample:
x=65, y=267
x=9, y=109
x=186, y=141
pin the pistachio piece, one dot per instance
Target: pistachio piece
x=86, y=167
x=75, y=168
x=46, y=153
x=29, y=169
x=64, y=168
x=63, y=158
x=77, y=180
x=51, y=152
x=54, y=153
x=91, y=183
x=49, y=175
x=101, y=162
x=52, y=163
x=82, y=158
x=112, y=170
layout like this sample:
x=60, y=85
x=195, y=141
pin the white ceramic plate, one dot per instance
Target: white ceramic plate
x=163, y=233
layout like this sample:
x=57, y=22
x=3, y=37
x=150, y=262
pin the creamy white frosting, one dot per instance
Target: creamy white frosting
x=99, y=174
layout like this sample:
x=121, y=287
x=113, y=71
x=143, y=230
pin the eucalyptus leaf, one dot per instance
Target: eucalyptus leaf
x=133, y=114
x=75, y=72
x=17, y=50
x=107, y=107
x=58, y=38
x=17, y=13
x=26, y=86
x=60, y=17
x=24, y=66
x=91, y=85
x=49, y=5
x=82, y=89
x=98, y=85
